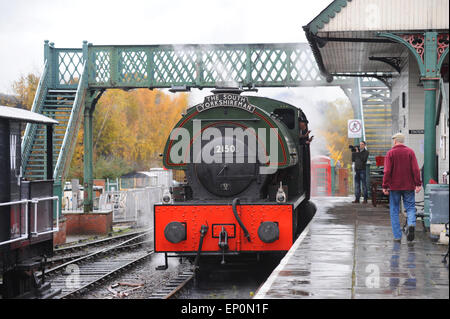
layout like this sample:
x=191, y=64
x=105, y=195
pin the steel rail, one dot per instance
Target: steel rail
x=107, y=240
x=96, y=253
x=174, y=286
x=105, y=276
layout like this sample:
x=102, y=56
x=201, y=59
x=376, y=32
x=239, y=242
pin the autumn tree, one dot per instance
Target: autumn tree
x=336, y=114
x=25, y=89
x=130, y=131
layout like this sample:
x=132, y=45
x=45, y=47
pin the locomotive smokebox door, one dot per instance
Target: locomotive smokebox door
x=224, y=166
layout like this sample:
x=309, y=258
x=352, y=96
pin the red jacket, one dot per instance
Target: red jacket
x=401, y=171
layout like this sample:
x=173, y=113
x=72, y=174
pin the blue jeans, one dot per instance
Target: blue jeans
x=394, y=206
x=360, y=178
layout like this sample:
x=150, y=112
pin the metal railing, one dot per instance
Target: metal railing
x=38, y=102
x=131, y=205
x=25, y=235
x=166, y=66
x=72, y=128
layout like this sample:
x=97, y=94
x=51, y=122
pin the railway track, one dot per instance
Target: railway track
x=72, y=252
x=104, y=242
x=77, y=276
x=173, y=287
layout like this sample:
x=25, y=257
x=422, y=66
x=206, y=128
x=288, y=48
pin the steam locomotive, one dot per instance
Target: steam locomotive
x=247, y=185
x=26, y=209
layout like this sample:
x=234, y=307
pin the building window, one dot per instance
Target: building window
x=443, y=145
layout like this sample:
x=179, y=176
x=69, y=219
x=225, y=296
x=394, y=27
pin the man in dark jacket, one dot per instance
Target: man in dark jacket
x=360, y=156
x=401, y=178
x=304, y=132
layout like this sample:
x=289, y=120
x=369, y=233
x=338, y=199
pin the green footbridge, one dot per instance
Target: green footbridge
x=73, y=79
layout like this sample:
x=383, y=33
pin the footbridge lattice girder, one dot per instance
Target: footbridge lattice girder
x=92, y=69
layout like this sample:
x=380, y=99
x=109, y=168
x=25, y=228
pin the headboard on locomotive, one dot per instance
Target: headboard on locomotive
x=26, y=207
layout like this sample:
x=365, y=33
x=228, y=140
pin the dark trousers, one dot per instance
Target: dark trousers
x=360, y=178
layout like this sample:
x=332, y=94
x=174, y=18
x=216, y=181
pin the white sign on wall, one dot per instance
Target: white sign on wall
x=354, y=128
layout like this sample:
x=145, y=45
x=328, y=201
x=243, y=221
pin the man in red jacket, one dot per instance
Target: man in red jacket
x=401, y=178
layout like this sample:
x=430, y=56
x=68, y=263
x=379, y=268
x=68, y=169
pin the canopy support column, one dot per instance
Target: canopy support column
x=91, y=101
x=429, y=55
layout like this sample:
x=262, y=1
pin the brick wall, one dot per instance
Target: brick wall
x=88, y=224
x=60, y=237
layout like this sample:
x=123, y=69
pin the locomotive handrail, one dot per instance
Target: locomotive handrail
x=25, y=235
x=35, y=201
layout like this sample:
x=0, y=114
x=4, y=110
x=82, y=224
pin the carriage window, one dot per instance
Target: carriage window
x=12, y=151
x=287, y=116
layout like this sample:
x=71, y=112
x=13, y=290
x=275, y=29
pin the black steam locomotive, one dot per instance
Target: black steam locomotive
x=26, y=209
x=247, y=178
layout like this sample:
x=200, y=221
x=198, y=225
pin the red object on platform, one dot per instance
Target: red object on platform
x=379, y=160
x=218, y=216
x=321, y=176
x=432, y=181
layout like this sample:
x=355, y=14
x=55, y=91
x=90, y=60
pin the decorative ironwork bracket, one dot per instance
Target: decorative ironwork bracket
x=395, y=62
x=442, y=48
x=429, y=49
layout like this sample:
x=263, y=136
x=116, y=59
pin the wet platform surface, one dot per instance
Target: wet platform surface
x=348, y=252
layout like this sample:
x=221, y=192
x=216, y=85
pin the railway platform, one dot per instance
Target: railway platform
x=348, y=252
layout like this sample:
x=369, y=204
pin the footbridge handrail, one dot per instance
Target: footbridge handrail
x=38, y=101
x=69, y=140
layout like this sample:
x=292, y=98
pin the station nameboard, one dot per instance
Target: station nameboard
x=416, y=131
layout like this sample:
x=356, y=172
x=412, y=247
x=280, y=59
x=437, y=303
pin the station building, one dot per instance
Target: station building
x=403, y=43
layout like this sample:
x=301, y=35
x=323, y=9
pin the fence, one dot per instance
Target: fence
x=134, y=205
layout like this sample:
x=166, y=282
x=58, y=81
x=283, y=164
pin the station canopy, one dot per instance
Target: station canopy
x=22, y=115
x=344, y=37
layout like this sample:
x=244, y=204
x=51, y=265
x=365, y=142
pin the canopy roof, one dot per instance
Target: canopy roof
x=344, y=36
x=22, y=115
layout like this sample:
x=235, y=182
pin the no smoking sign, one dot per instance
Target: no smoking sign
x=354, y=128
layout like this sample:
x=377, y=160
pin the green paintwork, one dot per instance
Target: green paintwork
x=91, y=69
x=430, y=74
x=60, y=95
x=399, y=39
x=429, y=151
x=325, y=16
x=204, y=66
x=261, y=118
x=442, y=58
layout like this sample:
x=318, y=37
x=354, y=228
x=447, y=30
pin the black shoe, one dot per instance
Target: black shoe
x=365, y=201
x=410, y=233
x=355, y=201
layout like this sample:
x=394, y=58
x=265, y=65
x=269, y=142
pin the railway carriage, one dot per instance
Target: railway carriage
x=247, y=183
x=26, y=209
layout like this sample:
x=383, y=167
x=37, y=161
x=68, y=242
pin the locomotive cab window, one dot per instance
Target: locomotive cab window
x=287, y=116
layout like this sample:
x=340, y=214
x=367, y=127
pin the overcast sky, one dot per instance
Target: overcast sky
x=25, y=24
